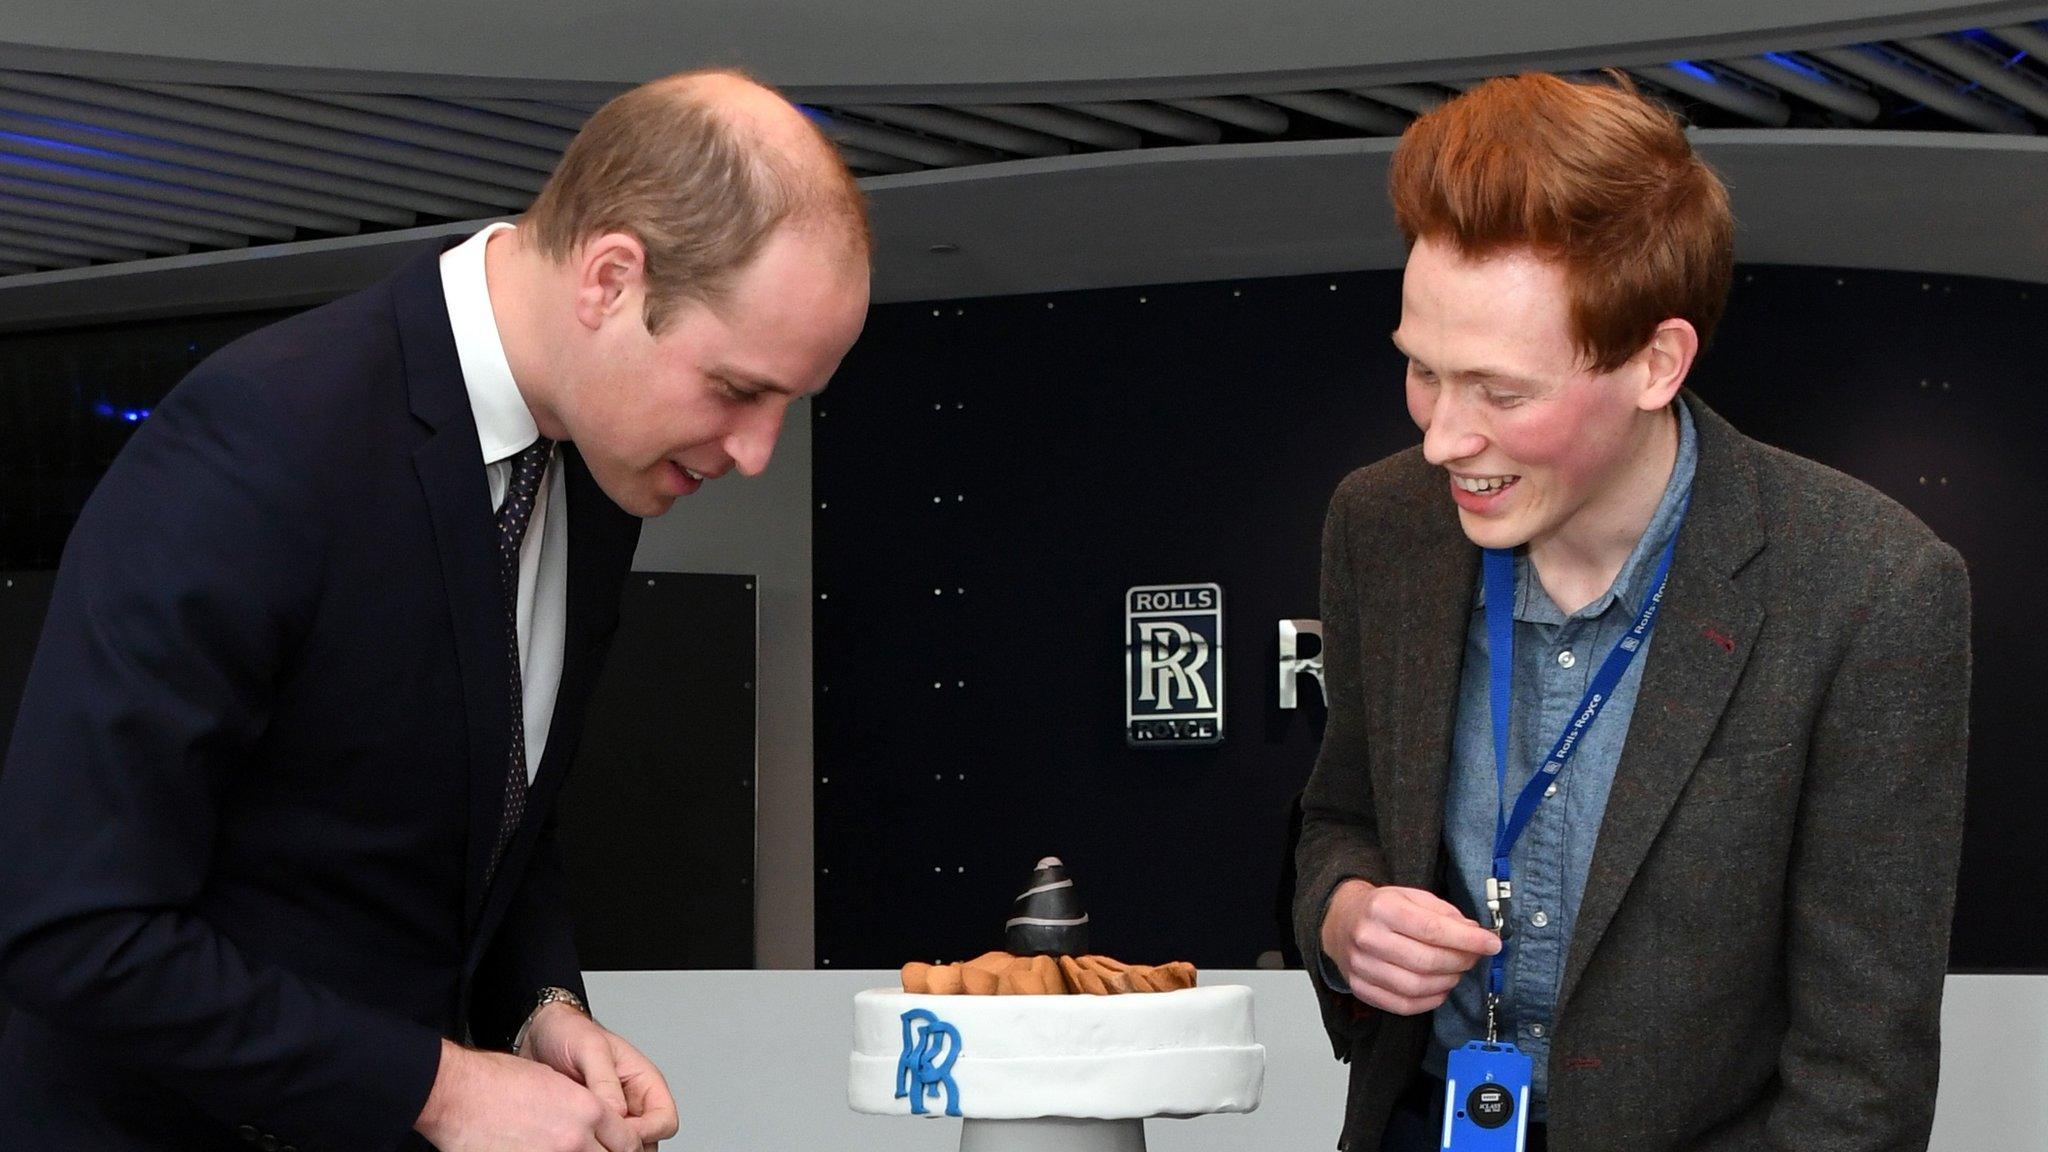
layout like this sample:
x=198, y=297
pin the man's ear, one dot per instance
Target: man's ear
x=611, y=277
x=1667, y=361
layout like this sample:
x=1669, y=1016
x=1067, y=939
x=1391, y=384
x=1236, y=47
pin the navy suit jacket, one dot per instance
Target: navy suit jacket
x=261, y=754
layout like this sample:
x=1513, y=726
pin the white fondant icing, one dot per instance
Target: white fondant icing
x=1182, y=1053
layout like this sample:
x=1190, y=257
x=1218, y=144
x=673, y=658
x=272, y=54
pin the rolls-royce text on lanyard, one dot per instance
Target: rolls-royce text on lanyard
x=1487, y=1082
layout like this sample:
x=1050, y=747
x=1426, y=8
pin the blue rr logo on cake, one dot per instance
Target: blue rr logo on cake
x=930, y=1048
x=1173, y=665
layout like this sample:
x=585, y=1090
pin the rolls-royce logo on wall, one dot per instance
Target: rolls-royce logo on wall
x=1173, y=665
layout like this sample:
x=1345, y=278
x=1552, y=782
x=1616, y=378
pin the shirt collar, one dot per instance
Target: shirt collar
x=503, y=423
x=1534, y=605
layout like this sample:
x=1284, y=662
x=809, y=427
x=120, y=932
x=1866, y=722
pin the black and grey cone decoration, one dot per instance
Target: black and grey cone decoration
x=1047, y=918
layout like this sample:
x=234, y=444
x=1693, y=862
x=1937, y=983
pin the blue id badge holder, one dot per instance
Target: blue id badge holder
x=1486, y=1098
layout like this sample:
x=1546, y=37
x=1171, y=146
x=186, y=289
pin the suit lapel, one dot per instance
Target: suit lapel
x=1428, y=650
x=601, y=541
x=599, y=532
x=458, y=496
x=1705, y=632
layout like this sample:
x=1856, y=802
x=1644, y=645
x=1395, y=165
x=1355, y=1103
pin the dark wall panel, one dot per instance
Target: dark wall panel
x=657, y=819
x=992, y=474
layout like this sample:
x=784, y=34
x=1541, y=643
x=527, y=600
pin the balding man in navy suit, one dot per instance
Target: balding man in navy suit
x=276, y=859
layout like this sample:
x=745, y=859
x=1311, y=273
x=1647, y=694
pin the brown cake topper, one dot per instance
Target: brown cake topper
x=1005, y=974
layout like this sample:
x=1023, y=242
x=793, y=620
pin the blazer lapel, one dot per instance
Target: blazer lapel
x=458, y=496
x=601, y=541
x=1428, y=647
x=1705, y=632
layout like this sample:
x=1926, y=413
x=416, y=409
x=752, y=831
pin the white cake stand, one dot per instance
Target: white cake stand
x=1055, y=1073
x=1052, y=1134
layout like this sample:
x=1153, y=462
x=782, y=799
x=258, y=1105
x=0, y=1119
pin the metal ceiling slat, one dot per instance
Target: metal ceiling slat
x=81, y=196
x=862, y=160
x=101, y=171
x=1887, y=70
x=149, y=245
x=534, y=110
x=392, y=151
x=263, y=201
x=451, y=116
x=67, y=246
x=904, y=145
x=1060, y=122
x=1972, y=62
x=139, y=157
x=118, y=223
x=136, y=136
x=1237, y=111
x=1807, y=81
x=1411, y=98
x=1339, y=108
x=42, y=261
x=2026, y=37
x=1156, y=119
x=950, y=122
x=285, y=106
x=1725, y=94
x=239, y=133
x=93, y=185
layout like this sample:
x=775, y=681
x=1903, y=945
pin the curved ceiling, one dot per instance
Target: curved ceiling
x=127, y=196
x=925, y=50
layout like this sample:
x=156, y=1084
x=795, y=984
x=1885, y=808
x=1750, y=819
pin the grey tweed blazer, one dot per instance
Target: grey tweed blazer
x=1759, y=957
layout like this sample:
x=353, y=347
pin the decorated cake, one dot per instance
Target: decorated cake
x=1046, y=1029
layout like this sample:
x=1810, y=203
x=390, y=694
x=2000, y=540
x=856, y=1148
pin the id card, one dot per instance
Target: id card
x=1486, y=1098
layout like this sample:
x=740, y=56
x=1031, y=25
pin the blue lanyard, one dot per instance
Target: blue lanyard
x=1500, y=649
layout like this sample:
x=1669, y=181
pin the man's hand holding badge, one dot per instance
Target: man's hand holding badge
x=1401, y=950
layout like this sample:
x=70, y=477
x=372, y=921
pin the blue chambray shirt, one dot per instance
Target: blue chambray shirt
x=1556, y=657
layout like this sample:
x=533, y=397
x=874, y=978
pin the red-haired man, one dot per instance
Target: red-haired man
x=1646, y=741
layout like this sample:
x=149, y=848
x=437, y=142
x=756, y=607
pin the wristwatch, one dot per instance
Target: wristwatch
x=547, y=996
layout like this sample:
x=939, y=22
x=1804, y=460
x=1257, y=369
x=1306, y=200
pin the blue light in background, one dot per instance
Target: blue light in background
x=83, y=126
x=61, y=146
x=1794, y=65
x=1695, y=71
x=107, y=411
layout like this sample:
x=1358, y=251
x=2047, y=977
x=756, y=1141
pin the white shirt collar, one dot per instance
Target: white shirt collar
x=503, y=423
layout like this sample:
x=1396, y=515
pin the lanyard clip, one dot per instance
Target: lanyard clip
x=1500, y=905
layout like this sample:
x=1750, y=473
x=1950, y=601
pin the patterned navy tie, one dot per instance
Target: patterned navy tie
x=513, y=515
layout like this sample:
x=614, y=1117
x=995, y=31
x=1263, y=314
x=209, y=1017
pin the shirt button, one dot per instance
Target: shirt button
x=1565, y=659
x=1536, y=1030
x=1539, y=919
x=1550, y=791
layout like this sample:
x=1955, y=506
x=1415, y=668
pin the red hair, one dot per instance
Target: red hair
x=1596, y=178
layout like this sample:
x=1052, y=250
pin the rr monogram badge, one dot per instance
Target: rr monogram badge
x=1173, y=665
x=930, y=1046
